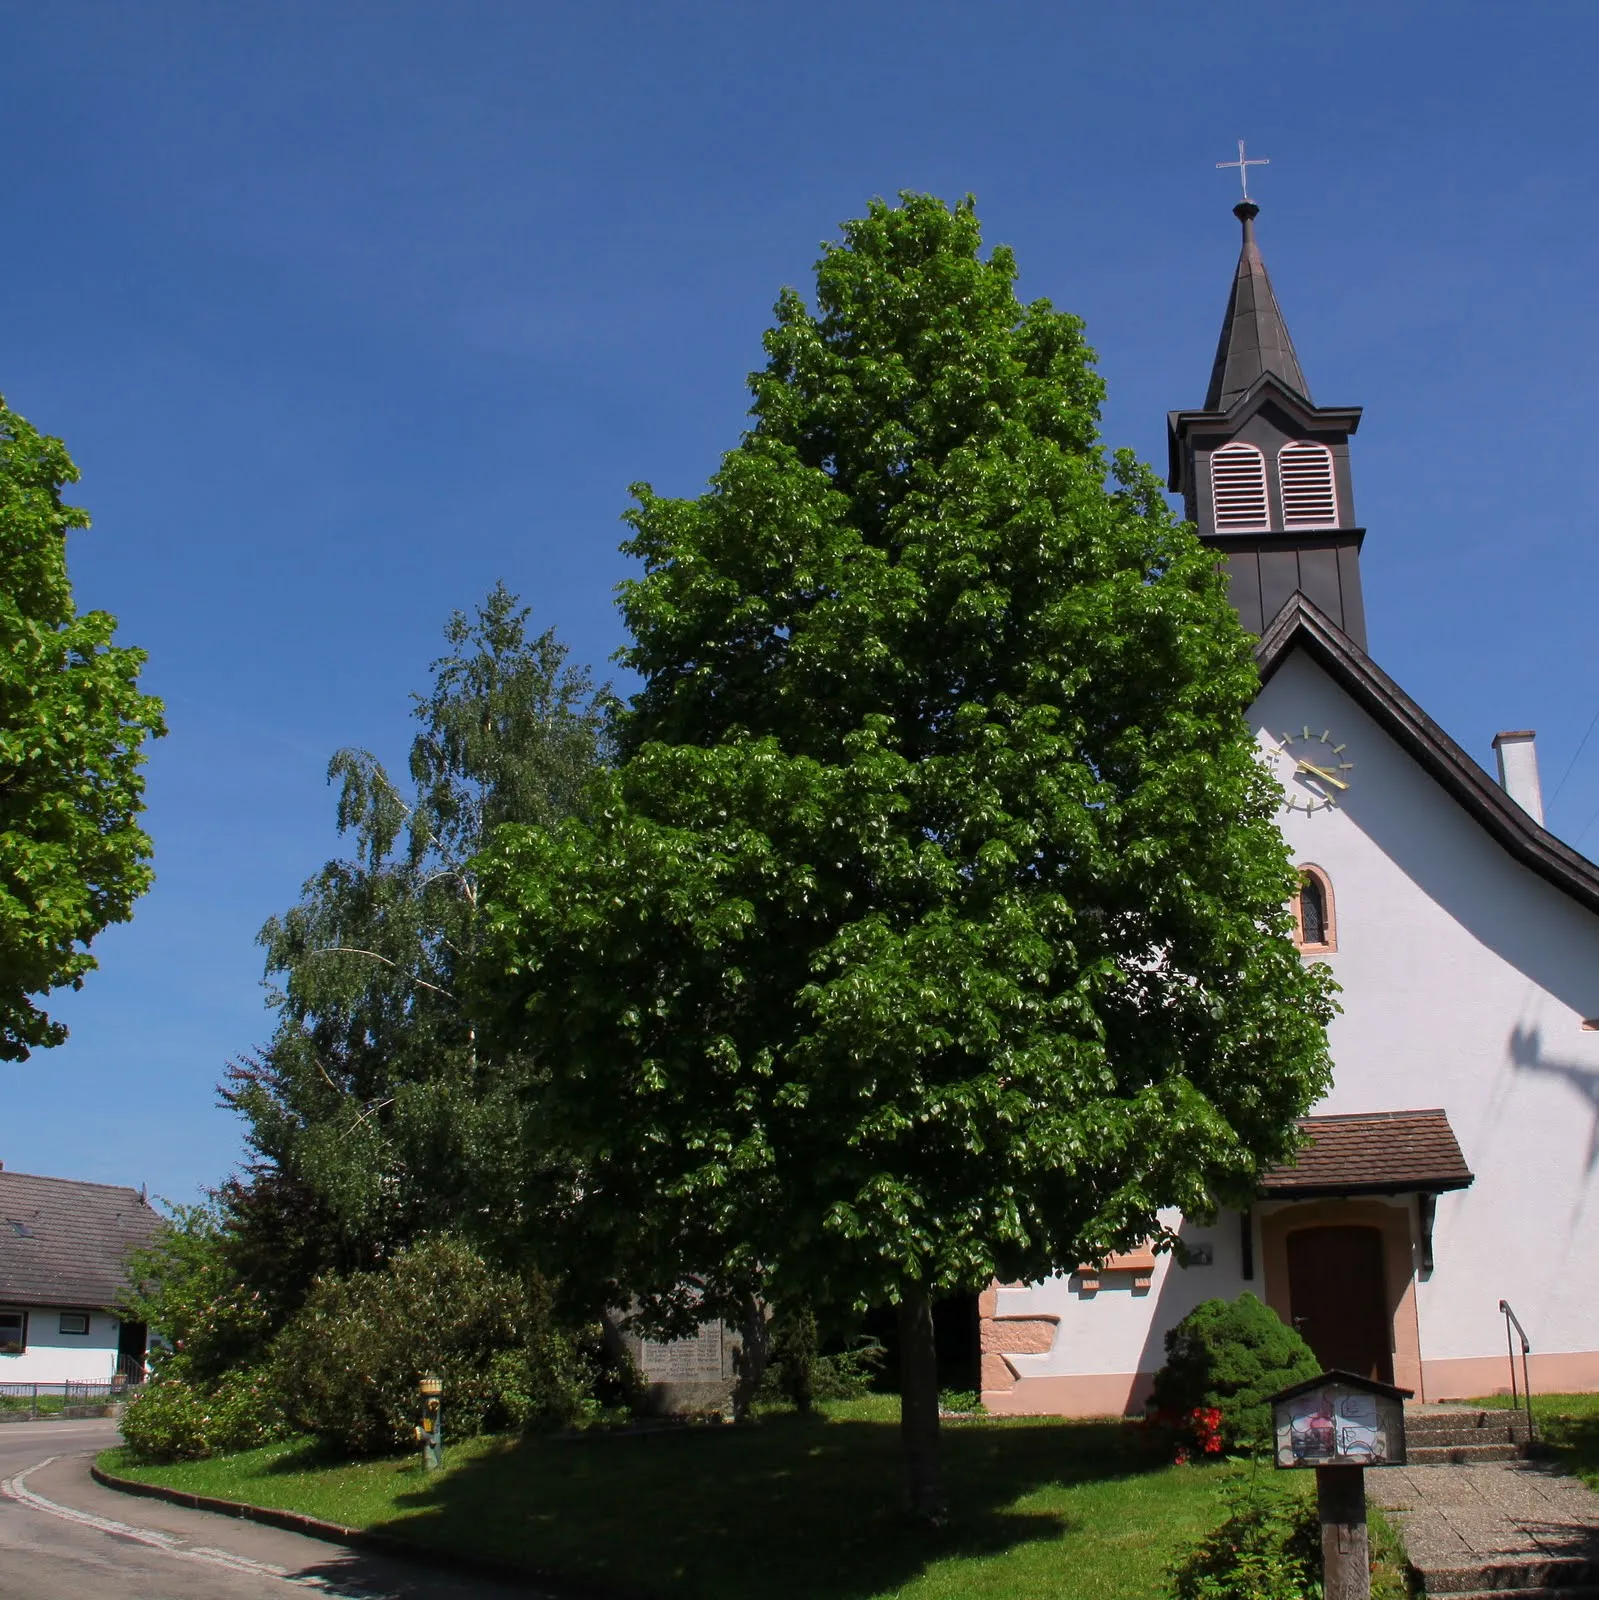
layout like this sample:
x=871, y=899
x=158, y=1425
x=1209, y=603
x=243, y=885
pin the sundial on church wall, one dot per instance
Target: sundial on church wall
x=1314, y=767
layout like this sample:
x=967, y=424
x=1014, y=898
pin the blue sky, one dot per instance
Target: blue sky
x=347, y=311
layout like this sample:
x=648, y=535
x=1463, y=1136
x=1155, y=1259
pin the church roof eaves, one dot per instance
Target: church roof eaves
x=1302, y=625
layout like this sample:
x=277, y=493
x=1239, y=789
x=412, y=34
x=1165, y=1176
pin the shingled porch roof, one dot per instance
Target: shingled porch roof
x=1376, y=1152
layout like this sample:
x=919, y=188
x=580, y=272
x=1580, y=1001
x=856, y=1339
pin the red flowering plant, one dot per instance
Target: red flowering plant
x=1184, y=1435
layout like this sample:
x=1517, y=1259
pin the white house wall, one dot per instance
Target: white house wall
x=1465, y=979
x=56, y=1357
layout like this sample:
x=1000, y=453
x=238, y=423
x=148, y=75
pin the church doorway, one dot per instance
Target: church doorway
x=1338, y=1298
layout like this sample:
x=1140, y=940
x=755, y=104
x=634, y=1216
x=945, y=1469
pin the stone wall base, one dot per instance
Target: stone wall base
x=1122, y=1394
x=1109, y=1394
x=1553, y=1372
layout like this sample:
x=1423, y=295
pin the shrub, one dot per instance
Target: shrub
x=179, y=1418
x=190, y=1295
x=1229, y=1356
x=792, y=1372
x=1268, y=1547
x=851, y=1372
x=348, y=1364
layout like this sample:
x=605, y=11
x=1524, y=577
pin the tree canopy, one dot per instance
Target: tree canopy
x=73, y=726
x=374, y=1113
x=933, y=928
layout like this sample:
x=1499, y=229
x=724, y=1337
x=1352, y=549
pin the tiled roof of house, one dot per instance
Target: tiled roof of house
x=65, y=1243
x=1379, y=1152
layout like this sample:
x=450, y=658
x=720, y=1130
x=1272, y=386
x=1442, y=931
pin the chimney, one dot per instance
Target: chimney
x=1518, y=770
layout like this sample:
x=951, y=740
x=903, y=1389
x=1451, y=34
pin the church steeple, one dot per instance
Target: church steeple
x=1263, y=470
x=1254, y=337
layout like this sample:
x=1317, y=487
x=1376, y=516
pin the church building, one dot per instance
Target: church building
x=1453, y=1169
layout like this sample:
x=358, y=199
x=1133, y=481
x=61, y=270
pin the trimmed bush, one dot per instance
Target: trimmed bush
x=178, y=1418
x=1229, y=1356
x=348, y=1364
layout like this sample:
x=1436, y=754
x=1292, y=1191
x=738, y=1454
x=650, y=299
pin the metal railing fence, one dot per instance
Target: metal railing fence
x=44, y=1402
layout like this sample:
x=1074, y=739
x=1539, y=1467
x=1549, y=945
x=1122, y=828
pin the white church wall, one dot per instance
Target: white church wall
x=1108, y=1344
x=1466, y=980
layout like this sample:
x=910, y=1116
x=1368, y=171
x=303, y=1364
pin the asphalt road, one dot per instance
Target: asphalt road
x=63, y=1537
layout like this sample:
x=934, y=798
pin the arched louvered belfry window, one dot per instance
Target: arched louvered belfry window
x=1314, y=925
x=1238, y=488
x=1305, y=471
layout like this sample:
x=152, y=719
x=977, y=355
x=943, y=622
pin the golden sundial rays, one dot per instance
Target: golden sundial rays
x=1312, y=769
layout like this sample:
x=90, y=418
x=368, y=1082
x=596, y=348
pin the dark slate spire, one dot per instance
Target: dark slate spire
x=1254, y=337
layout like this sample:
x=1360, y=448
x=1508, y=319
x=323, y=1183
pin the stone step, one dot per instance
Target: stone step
x=1458, y=1437
x=1464, y=1455
x=1448, y=1426
x=1585, y=1592
x=1536, y=1575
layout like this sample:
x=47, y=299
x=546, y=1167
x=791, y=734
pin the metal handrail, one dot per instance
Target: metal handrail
x=1512, y=1320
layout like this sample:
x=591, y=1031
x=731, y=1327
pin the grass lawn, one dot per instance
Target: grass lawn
x=796, y=1507
x=1569, y=1425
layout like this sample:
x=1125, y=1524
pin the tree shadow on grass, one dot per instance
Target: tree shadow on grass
x=797, y=1507
x=1574, y=1444
x=306, y=1455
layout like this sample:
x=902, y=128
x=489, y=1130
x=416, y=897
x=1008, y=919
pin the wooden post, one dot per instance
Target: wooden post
x=1345, y=1555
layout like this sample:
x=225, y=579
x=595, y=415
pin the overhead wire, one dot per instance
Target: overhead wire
x=1571, y=764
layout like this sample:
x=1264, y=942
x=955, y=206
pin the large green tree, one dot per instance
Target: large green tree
x=375, y=1114
x=933, y=929
x=73, y=725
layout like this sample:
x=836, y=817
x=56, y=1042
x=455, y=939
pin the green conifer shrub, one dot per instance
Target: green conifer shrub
x=1230, y=1355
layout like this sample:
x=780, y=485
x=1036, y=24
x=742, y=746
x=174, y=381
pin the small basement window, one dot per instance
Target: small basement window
x=75, y=1322
x=13, y=1332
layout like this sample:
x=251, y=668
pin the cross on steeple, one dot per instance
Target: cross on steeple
x=1244, y=163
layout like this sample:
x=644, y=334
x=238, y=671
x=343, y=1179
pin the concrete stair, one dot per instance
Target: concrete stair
x=1437, y=1436
x=1521, y=1559
x=1526, y=1577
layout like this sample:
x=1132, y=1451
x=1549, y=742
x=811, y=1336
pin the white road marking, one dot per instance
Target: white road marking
x=17, y=1489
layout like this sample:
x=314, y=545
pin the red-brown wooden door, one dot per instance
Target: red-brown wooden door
x=1338, y=1298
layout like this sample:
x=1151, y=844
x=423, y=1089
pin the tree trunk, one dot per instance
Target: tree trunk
x=754, y=1352
x=918, y=1391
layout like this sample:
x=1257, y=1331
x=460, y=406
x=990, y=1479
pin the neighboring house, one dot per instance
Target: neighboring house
x=1455, y=1162
x=63, y=1267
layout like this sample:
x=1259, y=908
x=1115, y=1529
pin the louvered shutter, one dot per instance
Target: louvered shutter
x=1238, y=488
x=1306, y=473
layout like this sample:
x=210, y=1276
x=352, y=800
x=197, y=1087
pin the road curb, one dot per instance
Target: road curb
x=384, y=1544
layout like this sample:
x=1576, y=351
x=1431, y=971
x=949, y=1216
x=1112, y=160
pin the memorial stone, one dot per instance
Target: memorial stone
x=688, y=1375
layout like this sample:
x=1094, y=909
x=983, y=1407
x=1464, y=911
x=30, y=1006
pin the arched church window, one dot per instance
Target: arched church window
x=1305, y=471
x=1238, y=488
x=1314, y=927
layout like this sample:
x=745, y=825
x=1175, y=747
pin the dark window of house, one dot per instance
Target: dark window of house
x=13, y=1332
x=21, y=1229
x=74, y=1322
x=1312, y=911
